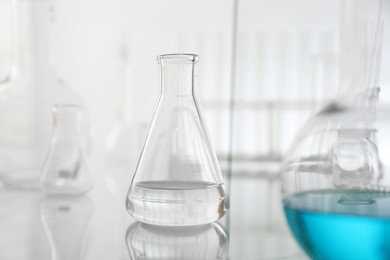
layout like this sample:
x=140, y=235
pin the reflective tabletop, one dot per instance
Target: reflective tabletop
x=97, y=226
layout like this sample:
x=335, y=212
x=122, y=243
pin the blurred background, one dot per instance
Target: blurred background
x=265, y=67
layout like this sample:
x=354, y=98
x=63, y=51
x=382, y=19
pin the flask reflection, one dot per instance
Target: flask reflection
x=157, y=242
x=65, y=221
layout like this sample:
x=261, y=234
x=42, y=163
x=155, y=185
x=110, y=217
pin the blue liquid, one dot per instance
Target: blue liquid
x=341, y=224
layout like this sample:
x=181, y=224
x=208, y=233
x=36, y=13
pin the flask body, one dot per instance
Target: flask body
x=177, y=181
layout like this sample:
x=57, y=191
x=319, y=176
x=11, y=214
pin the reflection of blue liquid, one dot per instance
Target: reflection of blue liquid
x=341, y=225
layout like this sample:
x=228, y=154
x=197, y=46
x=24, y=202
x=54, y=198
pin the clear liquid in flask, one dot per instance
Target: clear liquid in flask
x=177, y=203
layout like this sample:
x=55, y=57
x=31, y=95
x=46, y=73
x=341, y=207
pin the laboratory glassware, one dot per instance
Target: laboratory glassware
x=336, y=178
x=65, y=170
x=65, y=221
x=28, y=94
x=157, y=242
x=177, y=181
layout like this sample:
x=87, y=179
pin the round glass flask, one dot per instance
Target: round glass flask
x=177, y=181
x=336, y=178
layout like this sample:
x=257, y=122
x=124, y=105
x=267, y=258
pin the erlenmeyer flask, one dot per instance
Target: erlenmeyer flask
x=65, y=170
x=177, y=181
x=28, y=94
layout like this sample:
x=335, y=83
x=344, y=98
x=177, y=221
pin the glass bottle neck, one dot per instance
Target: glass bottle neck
x=30, y=35
x=361, y=45
x=177, y=78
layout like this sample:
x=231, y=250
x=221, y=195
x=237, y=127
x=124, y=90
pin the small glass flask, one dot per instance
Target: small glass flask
x=65, y=171
x=177, y=181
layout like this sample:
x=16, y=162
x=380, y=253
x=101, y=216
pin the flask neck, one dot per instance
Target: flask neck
x=361, y=46
x=30, y=35
x=177, y=75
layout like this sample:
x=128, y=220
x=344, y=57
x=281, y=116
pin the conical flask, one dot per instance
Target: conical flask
x=65, y=171
x=177, y=181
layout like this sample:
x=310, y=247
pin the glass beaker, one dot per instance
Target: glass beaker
x=177, y=181
x=28, y=94
x=65, y=170
x=336, y=178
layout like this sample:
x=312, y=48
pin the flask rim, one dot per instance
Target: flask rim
x=65, y=107
x=178, y=57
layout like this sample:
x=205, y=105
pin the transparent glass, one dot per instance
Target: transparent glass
x=65, y=170
x=336, y=177
x=65, y=221
x=28, y=94
x=155, y=242
x=177, y=181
